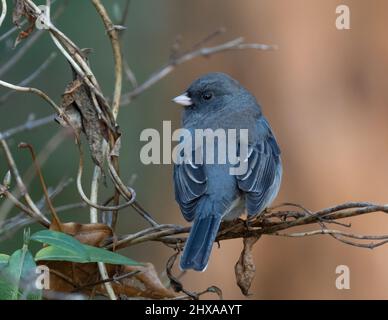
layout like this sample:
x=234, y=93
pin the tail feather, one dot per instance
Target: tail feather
x=200, y=242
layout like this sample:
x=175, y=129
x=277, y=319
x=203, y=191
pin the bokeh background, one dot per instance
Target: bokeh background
x=324, y=92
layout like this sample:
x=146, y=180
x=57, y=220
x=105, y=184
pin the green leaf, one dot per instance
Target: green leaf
x=106, y=256
x=66, y=248
x=53, y=253
x=62, y=241
x=7, y=290
x=17, y=278
x=93, y=255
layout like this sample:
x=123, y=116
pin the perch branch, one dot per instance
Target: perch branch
x=270, y=223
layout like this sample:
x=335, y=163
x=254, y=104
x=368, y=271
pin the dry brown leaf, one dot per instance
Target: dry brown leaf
x=21, y=11
x=132, y=281
x=94, y=234
x=145, y=283
x=245, y=266
x=91, y=115
x=78, y=105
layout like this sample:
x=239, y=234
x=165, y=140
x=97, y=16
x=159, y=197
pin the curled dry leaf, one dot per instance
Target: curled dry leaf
x=128, y=281
x=245, y=267
x=116, y=149
x=21, y=11
x=144, y=283
x=77, y=103
x=88, y=112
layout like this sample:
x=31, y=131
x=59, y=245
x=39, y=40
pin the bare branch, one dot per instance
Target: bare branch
x=236, y=44
x=20, y=220
x=30, y=124
x=114, y=38
x=55, y=217
x=32, y=90
x=53, y=143
x=32, y=76
x=269, y=223
x=115, y=109
x=22, y=188
x=20, y=53
x=4, y=192
x=116, y=47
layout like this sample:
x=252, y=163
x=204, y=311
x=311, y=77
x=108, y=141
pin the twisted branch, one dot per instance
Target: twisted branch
x=270, y=223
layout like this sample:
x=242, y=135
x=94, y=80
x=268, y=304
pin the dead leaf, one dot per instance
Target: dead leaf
x=94, y=234
x=21, y=11
x=91, y=116
x=132, y=281
x=245, y=266
x=78, y=105
x=116, y=149
x=145, y=283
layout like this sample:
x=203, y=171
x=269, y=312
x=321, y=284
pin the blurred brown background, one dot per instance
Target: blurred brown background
x=324, y=92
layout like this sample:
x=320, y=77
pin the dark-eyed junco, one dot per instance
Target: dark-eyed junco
x=209, y=193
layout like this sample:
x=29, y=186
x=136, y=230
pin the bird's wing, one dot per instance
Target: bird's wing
x=190, y=184
x=263, y=163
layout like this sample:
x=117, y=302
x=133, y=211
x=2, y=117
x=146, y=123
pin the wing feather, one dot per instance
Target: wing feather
x=190, y=183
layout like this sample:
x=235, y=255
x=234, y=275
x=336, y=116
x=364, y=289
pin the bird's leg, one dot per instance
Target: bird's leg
x=253, y=219
x=249, y=223
x=267, y=210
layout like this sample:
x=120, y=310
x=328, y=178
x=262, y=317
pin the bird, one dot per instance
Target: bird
x=207, y=193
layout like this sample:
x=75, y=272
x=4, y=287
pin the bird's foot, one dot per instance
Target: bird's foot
x=249, y=224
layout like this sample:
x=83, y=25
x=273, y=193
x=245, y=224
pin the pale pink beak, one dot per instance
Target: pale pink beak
x=183, y=100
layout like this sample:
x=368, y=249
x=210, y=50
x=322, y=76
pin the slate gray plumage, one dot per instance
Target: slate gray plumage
x=208, y=193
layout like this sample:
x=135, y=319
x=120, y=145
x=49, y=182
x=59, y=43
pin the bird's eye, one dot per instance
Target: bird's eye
x=207, y=96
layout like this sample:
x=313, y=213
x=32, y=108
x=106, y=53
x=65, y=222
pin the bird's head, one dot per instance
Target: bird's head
x=209, y=93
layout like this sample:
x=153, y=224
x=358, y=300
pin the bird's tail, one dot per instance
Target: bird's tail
x=200, y=242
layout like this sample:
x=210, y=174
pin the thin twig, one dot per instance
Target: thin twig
x=20, y=53
x=112, y=279
x=20, y=220
x=54, y=142
x=4, y=192
x=35, y=91
x=264, y=224
x=114, y=38
x=236, y=44
x=22, y=188
x=30, y=124
x=115, y=43
x=56, y=220
x=31, y=77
